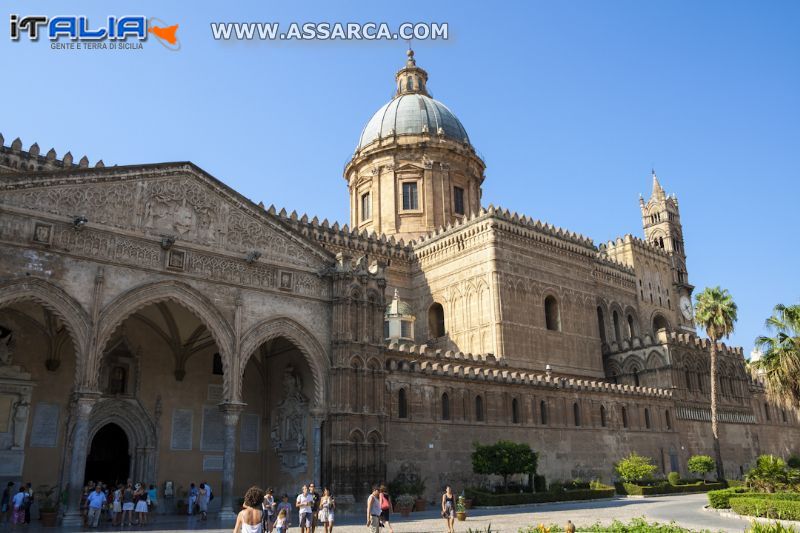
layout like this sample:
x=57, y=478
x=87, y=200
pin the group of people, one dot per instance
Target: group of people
x=118, y=505
x=262, y=513
x=199, y=498
x=16, y=504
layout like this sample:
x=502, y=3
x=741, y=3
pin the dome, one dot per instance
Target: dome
x=398, y=307
x=415, y=114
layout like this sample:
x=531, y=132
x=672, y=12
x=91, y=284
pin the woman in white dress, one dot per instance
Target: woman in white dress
x=140, y=497
x=326, y=507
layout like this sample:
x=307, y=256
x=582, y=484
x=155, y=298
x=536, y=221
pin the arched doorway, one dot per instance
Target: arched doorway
x=109, y=457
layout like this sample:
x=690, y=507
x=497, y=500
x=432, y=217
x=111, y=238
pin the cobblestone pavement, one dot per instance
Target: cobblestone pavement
x=686, y=510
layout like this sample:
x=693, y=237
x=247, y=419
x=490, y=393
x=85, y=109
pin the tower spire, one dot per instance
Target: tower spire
x=658, y=192
x=411, y=79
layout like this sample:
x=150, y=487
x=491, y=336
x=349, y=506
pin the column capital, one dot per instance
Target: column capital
x=84, y=400
x=231, y=412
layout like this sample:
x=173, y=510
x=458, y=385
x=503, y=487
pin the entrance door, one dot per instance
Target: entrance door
x=108, y=458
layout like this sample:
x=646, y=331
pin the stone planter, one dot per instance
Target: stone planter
x=420, y=505
x=461, y=516
x=48, y=518
x=468, y=503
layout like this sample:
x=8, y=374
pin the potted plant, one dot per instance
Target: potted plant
x=417, y=488
x=46, y=496
x=405, y=502
x=181, y=504
x=461, y=508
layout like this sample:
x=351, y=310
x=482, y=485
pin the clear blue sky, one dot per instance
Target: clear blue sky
x=570, y=103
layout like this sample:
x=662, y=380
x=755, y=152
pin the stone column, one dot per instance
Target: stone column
x=230, y=412
x=316, y=434
x=83, y=404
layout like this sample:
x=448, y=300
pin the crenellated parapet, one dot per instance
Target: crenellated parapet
x=14, y=158
x=617, y=248
x=675, y=339
x=420, y=359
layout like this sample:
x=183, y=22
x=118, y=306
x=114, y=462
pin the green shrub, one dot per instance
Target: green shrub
x=769, y=474
x=487, y=499
x=735, y=483
x=720, y=499
x=633, y=489
x=539, y=483
x=504, y=458
x=766, y=507
x=637, y=525
x=635, y=467
x=774, y=527
x=701, y=464
x=674, y=478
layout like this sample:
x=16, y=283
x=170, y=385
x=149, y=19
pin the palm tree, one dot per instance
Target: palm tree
x=780, y=360
x=715, y=311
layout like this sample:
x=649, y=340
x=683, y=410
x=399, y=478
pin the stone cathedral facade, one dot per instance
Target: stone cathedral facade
x=155, y=324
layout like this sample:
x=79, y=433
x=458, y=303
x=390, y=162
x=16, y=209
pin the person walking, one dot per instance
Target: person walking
x=28, y=502
x=268, y=506
x=5, y=504
x=18, y=503
x=305, y=502
x=312, y=489
x=127, y=504
x=192, y=498
x=116, y=506
x=95, y=502
x=449, y=509
x=152, y=498
x=202, y=501
x=249, y=519
x=326, y=507
x=374, y=510
x=140, y=497
x=386, y=508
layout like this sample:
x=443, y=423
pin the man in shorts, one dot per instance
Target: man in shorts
x=305, y=502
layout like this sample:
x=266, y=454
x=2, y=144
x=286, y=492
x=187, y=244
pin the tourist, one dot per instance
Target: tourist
x=202, y=501
x=18, y=503
x=5, y=503
x=386, y=508
x=116, y=506
x=282, y=523
x=287, y=507
x=152, y=498
x=140, y=497
x=28, y=502
x=249, y=519
x=305, y=502
x=315, y=507
x=84, y=503
x=210, y=492
x=326, y=507
x=374, y=510
x=95, y=502
x=449, y=509
x=192, y=498
x=127, y=504
x=268, y=506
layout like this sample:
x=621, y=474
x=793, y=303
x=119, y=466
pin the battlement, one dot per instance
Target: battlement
x=673, y=338
x=615, y=246
x=15, y=159
x=420, y=359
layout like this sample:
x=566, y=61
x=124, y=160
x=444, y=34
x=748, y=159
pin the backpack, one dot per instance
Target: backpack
x=385, y=505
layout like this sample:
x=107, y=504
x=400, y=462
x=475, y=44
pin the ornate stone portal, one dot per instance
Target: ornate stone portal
x=289, y=425
x=15, y=397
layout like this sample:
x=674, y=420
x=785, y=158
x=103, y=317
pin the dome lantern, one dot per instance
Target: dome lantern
x=411, y=79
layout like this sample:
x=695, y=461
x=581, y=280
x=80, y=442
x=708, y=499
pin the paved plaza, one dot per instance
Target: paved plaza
x=686, y=510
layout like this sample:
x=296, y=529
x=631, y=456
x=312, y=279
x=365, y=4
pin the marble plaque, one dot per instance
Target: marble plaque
x=182, y=420
x=249, y=432
x=212, y=463
x=212, y=438
x=44, y=429
x=11, y=463
x=215, y=394
x=6, y=402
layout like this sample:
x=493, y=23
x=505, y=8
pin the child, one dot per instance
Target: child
x=286, y=507
x=282, y=523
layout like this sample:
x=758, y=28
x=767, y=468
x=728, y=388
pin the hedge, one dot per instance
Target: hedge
x=720, y=499
x=488, y=499
x=767, y=507
x=665, y=488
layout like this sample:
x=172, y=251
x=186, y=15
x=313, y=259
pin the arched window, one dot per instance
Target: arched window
x=624, y=417
x=636, y=376
x=659, y=323
x=576, y=413
x=479, y=408
x=617, y=335
x=402, y=404
x=543, y=412
x=602, y=416
x=668, y=419
x=436, y=320
x=445, y=407
x=216, y=365
x=699, y=381
x=661, y=242
x=631, y=328
x=647, y=418
x=783, y=413
x=601, y=324
x=514, y=411
x=688, y=380
x=409, y=83
x=551, y=314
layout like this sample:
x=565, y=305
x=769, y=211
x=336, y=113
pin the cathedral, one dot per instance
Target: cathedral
x=155, y=324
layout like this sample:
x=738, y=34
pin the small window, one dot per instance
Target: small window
x=543, y=412
x=783, y=413
x=647, y=418
x=402, y=404
x=385, y=329
x=601, y=324
x=458, y=200
x=576, y=412
x=631, y=328
x=617, y=335
x=445, y=407
x=551, y=314
x=410, y=201
x=688, y=380
x=624, y=417
x=514, y=411
x=366, y=207
x=603, y=416
x=216, y=365
x=668, y=419
x=436, y=320
x=479, y=408
x=766, y=410
x=636, y=376
x=409, y=84
x=405, y=329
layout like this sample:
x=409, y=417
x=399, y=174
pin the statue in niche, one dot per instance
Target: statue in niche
x=289, y=423
x=6, y=346
x=21, y=409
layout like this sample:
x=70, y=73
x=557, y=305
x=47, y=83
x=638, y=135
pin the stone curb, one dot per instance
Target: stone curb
x=517, y=506
x=727, y=513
